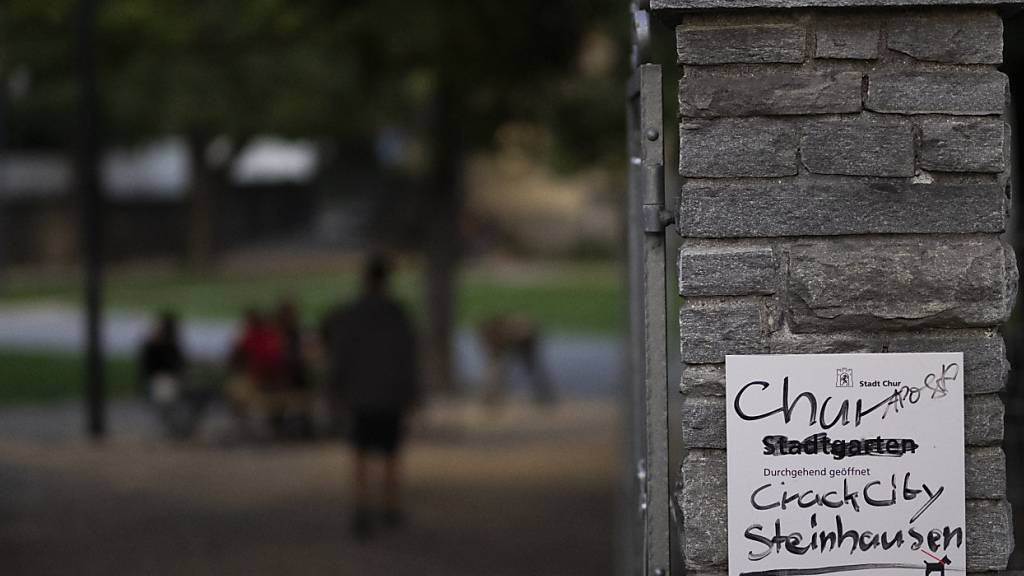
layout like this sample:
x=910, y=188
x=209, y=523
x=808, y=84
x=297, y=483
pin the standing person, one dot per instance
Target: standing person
x=372, y=361
x=296, y=415
x=293, y=361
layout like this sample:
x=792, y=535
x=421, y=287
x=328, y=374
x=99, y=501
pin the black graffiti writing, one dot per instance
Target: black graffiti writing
x=819, y=414
x=778, y=445
x=875, y=494
x=841, y=537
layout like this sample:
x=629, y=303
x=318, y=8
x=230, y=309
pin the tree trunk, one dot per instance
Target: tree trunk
x=3, y=207
x=201, y=241
x=443, y=244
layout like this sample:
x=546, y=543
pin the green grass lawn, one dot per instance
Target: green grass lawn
x=579, y=298
x=570, y=297
x=35, y=377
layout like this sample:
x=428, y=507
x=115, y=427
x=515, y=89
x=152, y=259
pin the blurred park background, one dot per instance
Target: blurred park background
x=248, y=151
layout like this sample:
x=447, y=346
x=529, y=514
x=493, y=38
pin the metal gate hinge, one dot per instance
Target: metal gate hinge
x=656, y=218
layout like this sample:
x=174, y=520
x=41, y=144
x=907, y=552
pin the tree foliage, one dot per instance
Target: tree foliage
x=317, y=68
x=448, y=72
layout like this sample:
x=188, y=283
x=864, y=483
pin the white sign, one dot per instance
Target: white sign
x=846, y=463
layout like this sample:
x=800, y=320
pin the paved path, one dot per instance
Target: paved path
x=580, y=365
x=521, y=491
x=511, y=493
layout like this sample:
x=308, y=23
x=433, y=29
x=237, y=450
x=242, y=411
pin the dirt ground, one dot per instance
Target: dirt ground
x=520, y=492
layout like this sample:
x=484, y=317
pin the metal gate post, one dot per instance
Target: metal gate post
x=653, y=218
x=648, y=300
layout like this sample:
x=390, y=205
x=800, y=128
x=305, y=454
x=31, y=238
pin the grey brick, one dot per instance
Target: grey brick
x=763, y=208
x=846, y=39
x=893, y=283
x=703, y=422
x=704, y=504
x=963, y=144
x=985, y=364
x=959, y=93
x=983, y=420
x=985, y=470
x=785, y=342
x=742, y=43
x=989, y=535
x=702, y=379
x=862, y=146
x=960, y=37
x=715, y=269
x=747, y=147
x=710, y=328
x=769, y=93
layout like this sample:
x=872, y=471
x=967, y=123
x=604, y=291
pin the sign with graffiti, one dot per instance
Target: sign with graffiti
x=846, y=463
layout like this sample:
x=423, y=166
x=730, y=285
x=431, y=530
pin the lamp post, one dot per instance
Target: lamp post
x=91, y=212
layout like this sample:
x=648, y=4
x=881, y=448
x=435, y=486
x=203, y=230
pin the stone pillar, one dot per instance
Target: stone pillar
x=845, y=179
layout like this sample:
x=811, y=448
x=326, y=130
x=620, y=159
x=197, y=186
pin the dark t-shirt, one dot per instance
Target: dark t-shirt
x=371, y=350
x=161, y=358
x=155, y=358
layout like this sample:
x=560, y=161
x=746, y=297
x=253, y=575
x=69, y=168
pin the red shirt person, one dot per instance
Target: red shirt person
x=260, y=351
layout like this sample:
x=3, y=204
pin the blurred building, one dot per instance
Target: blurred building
x=305, y=193
x=272, y=193
x=518, y=203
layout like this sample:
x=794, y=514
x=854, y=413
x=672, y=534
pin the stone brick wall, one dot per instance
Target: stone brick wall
x=845, y=188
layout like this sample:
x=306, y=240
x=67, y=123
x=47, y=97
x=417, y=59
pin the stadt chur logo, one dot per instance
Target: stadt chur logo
x=844, y=378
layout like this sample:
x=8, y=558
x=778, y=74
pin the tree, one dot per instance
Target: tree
x=36, y=73
x=208, y=71
x=452, y=70
x=226, y=71
x=480, y=64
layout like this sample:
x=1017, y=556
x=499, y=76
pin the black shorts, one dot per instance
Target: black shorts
x=377, y=431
